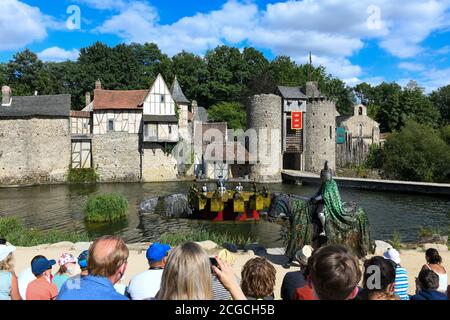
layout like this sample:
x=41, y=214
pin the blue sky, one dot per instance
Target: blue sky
x=365, y=40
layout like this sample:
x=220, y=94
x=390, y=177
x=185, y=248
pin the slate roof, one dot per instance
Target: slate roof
x=162, y=118
x=119, y=99
x=291, y=93
x=37, y=106
x=177, y=93
x=341, y=119
x=201, y=115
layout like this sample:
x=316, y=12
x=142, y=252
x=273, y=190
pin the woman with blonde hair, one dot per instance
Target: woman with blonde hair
x=9, y=288
x=186, y=275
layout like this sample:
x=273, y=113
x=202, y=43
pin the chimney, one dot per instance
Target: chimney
x=98, y=84
x=194, y=108
x=88, y=98
x=6, y=96
x=312, y=89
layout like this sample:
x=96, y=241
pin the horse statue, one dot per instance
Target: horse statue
x=322, y=220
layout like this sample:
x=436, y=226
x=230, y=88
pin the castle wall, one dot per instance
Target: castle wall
x=320, y=135
x=116, y=157
x=264, y=114
x=158, y=165
x=34, y=151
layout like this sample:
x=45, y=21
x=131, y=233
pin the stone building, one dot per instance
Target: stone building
x=360, y=125
x=183, y=111
x=264, y=116
x=307, y=146
x=81, y=136
x=34, y=138
x=161, y=132
x=356, y=133
x=116, y=130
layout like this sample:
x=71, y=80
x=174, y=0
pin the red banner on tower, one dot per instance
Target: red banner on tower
x=296, y=120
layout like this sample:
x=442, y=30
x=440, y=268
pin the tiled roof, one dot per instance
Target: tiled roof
x=291, y=93
x=119, y=99
x=80, y=114
x=32, y=106
x=177, y=93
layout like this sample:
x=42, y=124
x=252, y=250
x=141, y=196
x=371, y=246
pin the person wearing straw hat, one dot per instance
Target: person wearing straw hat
x=296, y=279
x=9, y=289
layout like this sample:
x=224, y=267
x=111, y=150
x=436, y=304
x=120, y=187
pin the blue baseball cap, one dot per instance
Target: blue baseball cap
x=40, y=265
x=157, y=251
x=83, y=259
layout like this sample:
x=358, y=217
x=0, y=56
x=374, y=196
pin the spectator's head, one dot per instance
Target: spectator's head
x=334, y=273
x=187, y=274
x=303, y=255
x=379, y=277
x=108, y=258
x=157, y=255
x=67, y=263
x=83, y=260
x=393, y=255
x=428, y=280
x=258, y=278
x=432, y=256
x=6, y=257
x=41, y=266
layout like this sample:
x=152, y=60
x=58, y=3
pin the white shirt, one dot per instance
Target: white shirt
x=145, y=285
x=24, y=278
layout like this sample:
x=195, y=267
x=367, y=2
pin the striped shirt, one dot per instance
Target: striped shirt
x=401, y=283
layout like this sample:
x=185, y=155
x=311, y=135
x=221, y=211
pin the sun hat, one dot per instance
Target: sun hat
x=40, y=265
x=157, y=251
x=304, y=254
x=83, y=259
x=392, y=254
x=66, y=258
x=5, y=251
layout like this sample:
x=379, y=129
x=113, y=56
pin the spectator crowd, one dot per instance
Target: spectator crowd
x=186, y=272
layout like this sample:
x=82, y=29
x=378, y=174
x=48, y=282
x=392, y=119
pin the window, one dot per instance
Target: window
x=161, y=98
x=360, y=112
x=170, y=129
x=331, y=132
x=110, y=125
x=360, y=130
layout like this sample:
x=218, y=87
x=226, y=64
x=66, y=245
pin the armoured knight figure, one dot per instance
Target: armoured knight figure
x=205, y=188
x=318, y=200
x=220, y=185
x=239, y=187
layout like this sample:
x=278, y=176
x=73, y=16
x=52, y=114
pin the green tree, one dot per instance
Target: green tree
x=284, y=71
x=225, y=75
x=441, y=100
x=2, y=74
x=25, y=73
x=231, y=112
x=192, y=73
x=417, y=153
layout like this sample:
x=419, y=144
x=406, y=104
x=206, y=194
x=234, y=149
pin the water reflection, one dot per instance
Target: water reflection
x=60, y=207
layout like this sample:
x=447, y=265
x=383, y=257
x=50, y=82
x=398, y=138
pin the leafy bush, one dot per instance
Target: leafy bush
x=105, y=207
x=375, y=157
x=231, y=112
x=14, y=232
x=85, y=175
x=416, y=153
x=175, y=239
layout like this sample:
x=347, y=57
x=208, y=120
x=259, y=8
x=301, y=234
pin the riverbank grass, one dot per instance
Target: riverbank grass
x=106, y=207
x=175, y=239
x=84, y=175
x=12, y=229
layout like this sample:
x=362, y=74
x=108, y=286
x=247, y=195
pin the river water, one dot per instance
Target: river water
x=60, y=207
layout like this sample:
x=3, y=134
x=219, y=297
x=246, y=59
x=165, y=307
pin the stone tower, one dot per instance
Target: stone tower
x=320, y=130
x=264, y=115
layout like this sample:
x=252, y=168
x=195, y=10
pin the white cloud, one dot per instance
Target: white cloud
x=20, y=24
x=334, y=30
x=411, y=66
x=104, y=4
x=56, y=54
